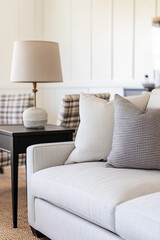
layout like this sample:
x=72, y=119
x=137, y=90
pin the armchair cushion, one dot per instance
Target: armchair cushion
x=12, y=107
x=11, y=110
x=5, y=158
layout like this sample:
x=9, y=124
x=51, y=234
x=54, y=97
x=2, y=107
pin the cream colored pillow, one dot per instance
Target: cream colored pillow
x=94, y=137
x=154, y=101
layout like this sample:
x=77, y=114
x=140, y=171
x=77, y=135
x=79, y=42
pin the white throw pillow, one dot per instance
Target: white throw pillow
x=94, y=137
x=154, y=101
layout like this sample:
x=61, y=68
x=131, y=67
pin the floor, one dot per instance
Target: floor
x=23, y=231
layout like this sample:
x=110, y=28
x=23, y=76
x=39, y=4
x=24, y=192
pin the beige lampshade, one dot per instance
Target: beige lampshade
x=36, y=61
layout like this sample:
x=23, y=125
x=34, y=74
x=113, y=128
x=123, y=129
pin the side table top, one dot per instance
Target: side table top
x=19, y=129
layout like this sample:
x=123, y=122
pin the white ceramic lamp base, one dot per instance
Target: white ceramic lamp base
x=35, y=117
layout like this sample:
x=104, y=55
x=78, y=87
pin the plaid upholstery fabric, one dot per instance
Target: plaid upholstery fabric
x=11, y=109
x=69, y=111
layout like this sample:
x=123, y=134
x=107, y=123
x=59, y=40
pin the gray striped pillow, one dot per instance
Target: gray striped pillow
x=136, y=138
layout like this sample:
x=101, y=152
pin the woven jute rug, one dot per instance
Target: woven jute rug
x=23, y=231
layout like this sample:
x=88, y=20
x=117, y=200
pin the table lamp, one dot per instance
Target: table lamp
x=36, y=62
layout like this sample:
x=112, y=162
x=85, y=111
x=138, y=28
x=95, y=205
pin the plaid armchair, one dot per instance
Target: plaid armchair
x=69, y=111
x=11, y=109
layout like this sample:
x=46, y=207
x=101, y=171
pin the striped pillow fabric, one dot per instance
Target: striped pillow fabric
x=136, y=138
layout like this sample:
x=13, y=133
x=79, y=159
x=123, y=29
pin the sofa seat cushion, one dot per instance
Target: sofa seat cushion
x=139, y=218
x=92, y=191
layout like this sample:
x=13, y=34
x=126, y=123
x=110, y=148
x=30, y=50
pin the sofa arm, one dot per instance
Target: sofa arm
x=42, y=156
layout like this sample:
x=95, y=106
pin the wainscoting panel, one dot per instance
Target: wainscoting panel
x=123, y=12
x=101, y=37
x=19, y=20
x=47, y=20
x=157, y=8
x=9, y=32
x=144, y=12
x=61, y=33
x=105, y=45
x=103, y=40
x=30, y=16
x=100, y=40
x=80, y=40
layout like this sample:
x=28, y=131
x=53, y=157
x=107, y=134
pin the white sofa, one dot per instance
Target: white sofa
x=88, y=201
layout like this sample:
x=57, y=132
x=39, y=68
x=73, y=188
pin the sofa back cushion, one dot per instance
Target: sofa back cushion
x=154, y=100
x=94, y=137
x=69, y=111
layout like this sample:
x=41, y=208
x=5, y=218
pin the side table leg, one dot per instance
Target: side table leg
x=14, y=184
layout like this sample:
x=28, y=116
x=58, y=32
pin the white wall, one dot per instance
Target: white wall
x=19, y=20
x=104, y=44
x=102, y=41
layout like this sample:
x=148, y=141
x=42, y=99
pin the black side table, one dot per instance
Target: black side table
x=16, y=139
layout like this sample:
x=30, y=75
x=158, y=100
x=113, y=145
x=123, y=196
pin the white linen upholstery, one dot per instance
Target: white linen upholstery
x=95, y=118
x=92, y=191
x=94, y=136
x=154, y=100
x=69, y=111
x=72, y=202
x=43, y=156
x=139, y=219
x=140, y=101
x=58, y=224
x=49, y=154
x=156, y=91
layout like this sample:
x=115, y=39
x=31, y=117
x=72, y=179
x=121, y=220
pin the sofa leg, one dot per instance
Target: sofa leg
x=1, y=170
x=37, y=233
